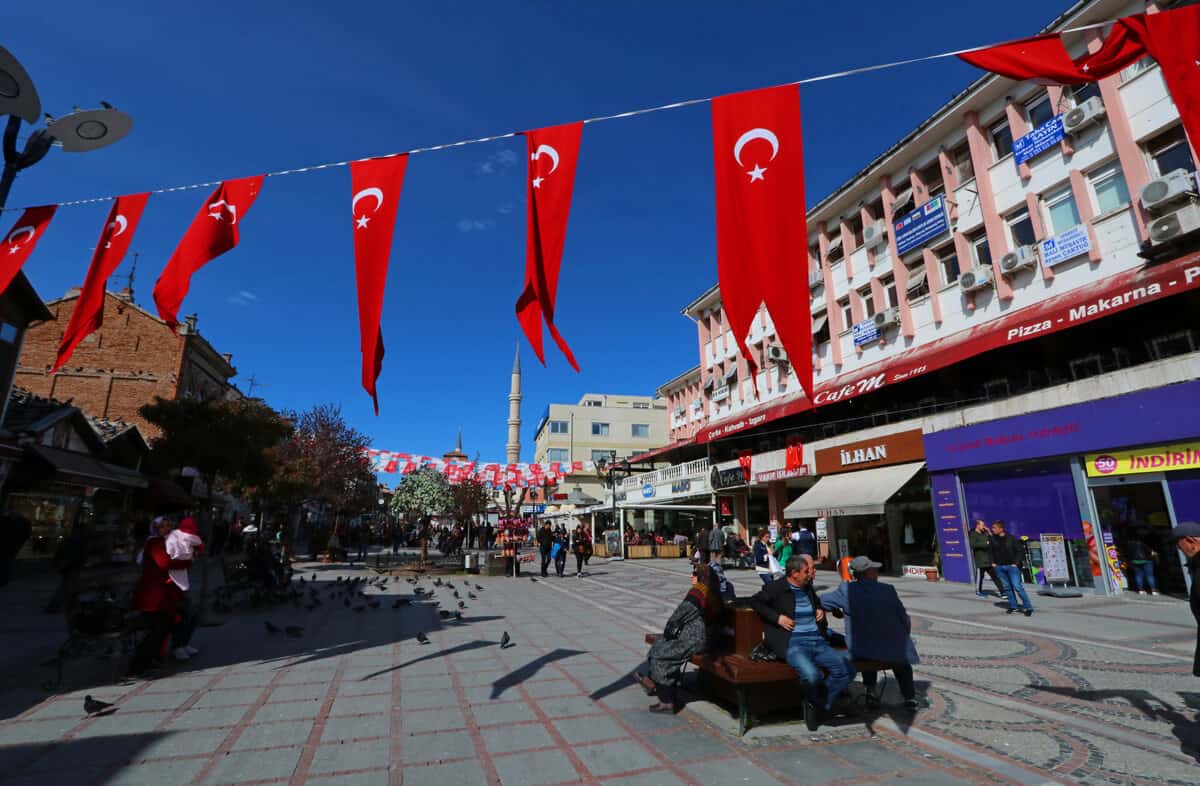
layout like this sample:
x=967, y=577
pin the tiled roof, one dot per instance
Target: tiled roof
x=25, y=410
x=110, y=429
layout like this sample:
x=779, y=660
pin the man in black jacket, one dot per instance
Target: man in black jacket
x=1187, y=537
x=1007, y=555
x=545, y=541
x=795, y=632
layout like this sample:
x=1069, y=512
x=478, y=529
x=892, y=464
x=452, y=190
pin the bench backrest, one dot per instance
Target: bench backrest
x=739, y=631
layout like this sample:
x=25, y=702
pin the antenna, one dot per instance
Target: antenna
x=132, y=273
x=254, y=383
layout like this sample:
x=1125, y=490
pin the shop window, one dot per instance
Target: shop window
x=558, y=454
x=559, y=427
x=868, y=302
x=1169, y=151
x=600, y=429
x=981, y=253
x=1021, y=228
x=1061, y=211
x=1002, y=141
x=1039, y=110
x=947, y=258
x=1109, y=188
x=961, y=159
x=1081, y=93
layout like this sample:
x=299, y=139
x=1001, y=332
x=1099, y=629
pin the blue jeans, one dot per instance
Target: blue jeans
x=807, y=653
x=1143, y=576
x=1010, y=577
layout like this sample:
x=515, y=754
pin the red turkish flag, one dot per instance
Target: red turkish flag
x=114, y=241
x=19, y=242
x=762, y=240
x=553, y=153
x=745, y=460
x=214, y=230
x=794, y=453
x=377, y=183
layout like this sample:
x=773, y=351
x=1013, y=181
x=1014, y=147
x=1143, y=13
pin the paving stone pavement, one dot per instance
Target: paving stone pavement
x=1088, y=691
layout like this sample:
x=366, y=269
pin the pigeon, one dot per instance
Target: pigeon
x=339, y=578
x=444, y=614
x=455, y=594
x=95, y=706
x=462, y=605
x=295, y=631
x=531, y=578
x=421, y=637
x=478, y=588
x=449, y=585
x=471, y=595
x=505, y=640
x=458, y=615
x=395, y=579
x=437, y=582
x=270, y=628
x=314, y=578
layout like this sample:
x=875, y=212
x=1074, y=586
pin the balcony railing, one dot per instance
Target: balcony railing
x=692, y=469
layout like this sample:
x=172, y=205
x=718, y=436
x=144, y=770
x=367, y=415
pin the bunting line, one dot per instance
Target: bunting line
x=598, y=119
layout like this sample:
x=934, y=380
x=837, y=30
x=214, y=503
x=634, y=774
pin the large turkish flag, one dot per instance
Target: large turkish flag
x=18, y=244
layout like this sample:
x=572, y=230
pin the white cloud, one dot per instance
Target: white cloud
x=505, y=209
x=504, y=159
x=243, y=298
x=475, y=224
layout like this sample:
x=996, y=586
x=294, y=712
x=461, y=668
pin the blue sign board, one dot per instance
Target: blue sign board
x=865, y=332
x=1065, y=245
x=648, y=490
x=922, y=225
x=1039, y=140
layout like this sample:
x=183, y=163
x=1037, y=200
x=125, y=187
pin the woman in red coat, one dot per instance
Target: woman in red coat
x=156, y=596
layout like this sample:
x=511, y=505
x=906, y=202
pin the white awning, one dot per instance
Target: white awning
x=861, y=493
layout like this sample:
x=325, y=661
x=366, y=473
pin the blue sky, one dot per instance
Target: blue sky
x=221, y=90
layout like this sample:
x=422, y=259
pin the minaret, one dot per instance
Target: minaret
x=513, y=448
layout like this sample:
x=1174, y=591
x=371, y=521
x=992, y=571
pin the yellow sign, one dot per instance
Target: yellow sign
x=1160, y=458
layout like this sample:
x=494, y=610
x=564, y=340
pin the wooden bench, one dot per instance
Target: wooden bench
x=727, y=670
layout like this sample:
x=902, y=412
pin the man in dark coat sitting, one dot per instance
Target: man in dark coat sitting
x=1187, y=537
x=795, y=632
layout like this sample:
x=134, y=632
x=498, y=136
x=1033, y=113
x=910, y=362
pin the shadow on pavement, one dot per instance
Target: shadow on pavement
x=92, y=759
x=515, y=678
x=615, y=686
x=467, y=647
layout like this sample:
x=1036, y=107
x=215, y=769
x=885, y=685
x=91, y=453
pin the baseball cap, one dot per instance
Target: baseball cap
x=862, y=564
x=1185, y=529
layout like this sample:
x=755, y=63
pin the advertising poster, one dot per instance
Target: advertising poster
x=1054, y=558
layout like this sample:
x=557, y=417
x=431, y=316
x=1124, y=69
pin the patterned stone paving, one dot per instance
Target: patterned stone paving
x=359, y=701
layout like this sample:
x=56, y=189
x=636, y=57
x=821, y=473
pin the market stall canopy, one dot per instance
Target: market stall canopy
x=861, y=493
x=85, y=470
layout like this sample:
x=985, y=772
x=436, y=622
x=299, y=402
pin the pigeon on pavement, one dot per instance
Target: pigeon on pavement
x=421, y=637
x=478, y=588
x=471, y=595
x=444, y=614
x=505, y=641
x=95, y=706
x=462, y=605
x=270, y=628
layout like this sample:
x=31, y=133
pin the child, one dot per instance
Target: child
x=183, y=543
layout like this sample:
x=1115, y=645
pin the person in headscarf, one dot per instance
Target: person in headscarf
x=156, y=596
x=686, y=634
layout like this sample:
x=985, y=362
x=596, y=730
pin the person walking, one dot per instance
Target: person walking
x=156, y=596
x=702, y=546
x=877, y=627
x=762, y=555
x=805, y=542
x=545, y=543
x=559, y=550
x=1007, y=555
x=981, y=549
x=716, y=544
x=581, y=546
x=1141, y=558
x=784, y=548
x=1187, y=537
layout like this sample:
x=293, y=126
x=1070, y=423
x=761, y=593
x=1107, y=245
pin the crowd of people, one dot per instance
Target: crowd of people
x=555, y=543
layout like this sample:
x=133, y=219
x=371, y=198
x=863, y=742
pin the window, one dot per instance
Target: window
x=1082, y=93
x=1061, y=212
x=1002, y=141
x=1039, y=110
x=931, y=176
x=876, y=208
x=1108, y=183
x=918, y=284
x=641, y=405
x=835, y=251
x=889, y=291
x=947, y=257
x=981, y=254
x=599, y=429
x=854, y=224
x=591, y=402
x=558, y=454
x=868, y=302
x=1141, y=66
x=602, y=455
x=8, y=332
x=820, y=328
x=960, y=157
x=1169, y=151
x=559, y=427
x=640, y=430
x=847, y=313
x=1021, y=228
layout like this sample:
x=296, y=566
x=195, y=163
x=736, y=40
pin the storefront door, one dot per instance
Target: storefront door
x=1138, y=511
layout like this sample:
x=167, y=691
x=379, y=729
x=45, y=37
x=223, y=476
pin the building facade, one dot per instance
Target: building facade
x=130, y=360
x=599, y=426
x=1024, y=251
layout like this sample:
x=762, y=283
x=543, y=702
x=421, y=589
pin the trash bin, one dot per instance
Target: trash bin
x=468, y=562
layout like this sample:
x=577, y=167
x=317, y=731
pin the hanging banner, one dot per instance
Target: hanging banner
x=1039, y=140
x=922, y=225
x=491, y=473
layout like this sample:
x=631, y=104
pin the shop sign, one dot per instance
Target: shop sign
x=951, y=530
x=1039, y=140
x=1054, y=557
x=917, y=570
x=1157, y=415
x=922, y=225
x=865, y=332
x=681, y=486
x=533, y=509
x=727, y=478
x=1065, y=245
x=1161, y=458
x=648, y=491
x=780, y=474
x=822, y=528
x=899, y=448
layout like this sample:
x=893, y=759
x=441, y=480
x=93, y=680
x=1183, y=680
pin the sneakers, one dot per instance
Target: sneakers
x=1138, y=592
x=180, y=653
x=1153, y=592
x=981, y=594
x=1009, y=611
x=1028, y=612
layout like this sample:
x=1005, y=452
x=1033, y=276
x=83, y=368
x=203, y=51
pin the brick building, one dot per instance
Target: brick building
x=131, y=359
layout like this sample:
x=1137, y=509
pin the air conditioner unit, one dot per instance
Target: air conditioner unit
x=1082, y=116
x=1021, y=258
x=974, y=280
x=887, y=318
x=1162, y=192
x=1173, y=226
x=777, y=354
x=875, y=234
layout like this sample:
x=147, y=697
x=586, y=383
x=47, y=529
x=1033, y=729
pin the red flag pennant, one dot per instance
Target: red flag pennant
x=19, y=242
x=114, y=241
x=745, y=460
x=553, y=153
x=794, y=453
x=215, y=230
x=762, y=240
x=376, y=183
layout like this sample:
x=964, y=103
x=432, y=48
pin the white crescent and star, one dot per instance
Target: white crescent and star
x=229, y=207
x=120, y=223
x=756, y=133
x=17, y=232
x=538, y=153
x=362, y=221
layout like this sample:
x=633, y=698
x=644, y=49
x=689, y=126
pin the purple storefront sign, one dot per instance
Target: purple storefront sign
x=951, y=529
x=1164, y=414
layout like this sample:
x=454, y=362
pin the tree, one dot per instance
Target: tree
x=222, y=440
x=423, y=493
x=470, y=500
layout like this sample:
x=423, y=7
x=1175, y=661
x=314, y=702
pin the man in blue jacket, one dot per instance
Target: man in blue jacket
x=877, y=626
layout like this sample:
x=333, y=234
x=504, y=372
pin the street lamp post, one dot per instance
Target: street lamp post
x=77, y=132
x=611, y=465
